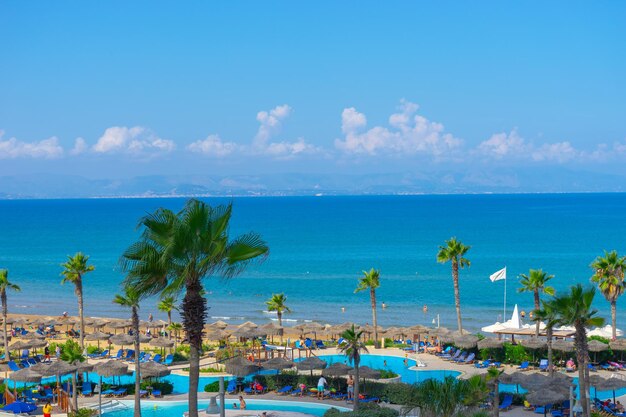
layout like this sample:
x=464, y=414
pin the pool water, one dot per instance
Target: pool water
x=395, y=364
x=177, y=408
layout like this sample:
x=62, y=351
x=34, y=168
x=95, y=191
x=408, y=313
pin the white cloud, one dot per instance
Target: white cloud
x=80, y=146
x=300, y=146
x=557, y=152
x=12, y=148
x=213, y=146
x=408, y=134
x=271, y=122
x=501, y=145
x=134, y=140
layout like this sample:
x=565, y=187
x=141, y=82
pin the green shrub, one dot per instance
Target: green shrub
x=398, y=392
x=365, y=410
x=515, y=354
x=83, y=412
x=212, y=387
x=93, y=349
x=387, y=374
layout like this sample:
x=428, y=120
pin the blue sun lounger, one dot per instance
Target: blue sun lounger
x=157, y=358
x=13, y=366
x=523, y=366
x=507, y=402
x=169, y=359
x=284, y=390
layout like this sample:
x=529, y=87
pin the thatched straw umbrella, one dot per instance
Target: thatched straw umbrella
x=606, y=384
x=97, y=336
x=490, y=343
x=162, y=343
x=547, y=396
x=248, y=324
x=21, y=345
x=32, y=336
x=366, y=372
x=217, y=334
x=111, y=368
x=240, y=367
x=336, y=369
x=563, y=346
x=620, y=345
x=152, y=369
x=278, y=364
x=596, y=346
x=116, y=325
x=466, y=342
x=219, y=324
x=311, y=363
x=122, y=339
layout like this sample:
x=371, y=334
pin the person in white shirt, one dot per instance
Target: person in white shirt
x=321, y=384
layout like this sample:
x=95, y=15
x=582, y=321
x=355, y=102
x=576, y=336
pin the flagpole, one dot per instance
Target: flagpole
x=504, y=317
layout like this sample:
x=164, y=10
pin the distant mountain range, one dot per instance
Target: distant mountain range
x=497, y=181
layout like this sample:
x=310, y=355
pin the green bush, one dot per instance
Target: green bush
x=365, y=410
x=515, y=354
x=387, y=374
x=83, y=412
x=93, y=349
x=212, y=387
x=398, y=392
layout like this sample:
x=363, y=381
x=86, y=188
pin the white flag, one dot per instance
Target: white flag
x=497, y=276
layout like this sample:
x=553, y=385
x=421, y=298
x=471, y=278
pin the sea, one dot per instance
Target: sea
x=320, y=246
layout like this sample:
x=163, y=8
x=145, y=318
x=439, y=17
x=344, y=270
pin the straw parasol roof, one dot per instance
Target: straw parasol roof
x=162, y=342
x=240, y=367
x=490, y=343
x=248, y=333
x=271, y=328
x=336, y=369
x=534, y=343
x=563, y=346
x=122, y=339
x=418, y=329
x=153, y=370
x=439, y=331
x=217, y=334
x=144, y=338
x=97, y=336
x=311, y=363
x=248, y=324
x=32, y=336
x=278, y=364
x=26, y=375
x=219, y=324
x=120, y=324
x=516, y=378
x=56, y=368
x=619, y=344
x=38, y=343
x=22, y=344
x=547, y=396
x=111, y=368
x=466, y=342
x=366, y=372
x=597, y=346
x=83, y=366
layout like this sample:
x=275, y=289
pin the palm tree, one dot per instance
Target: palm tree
x=493, y=377
x=575, y=309
x=131, y=299
x=4, y=286
x=277, y=304
x=353, y=348
x=72, y=354
x=167, y=304
x=454, y=251
x=548, y=315
x=609, y=275
x=73, y=271
x=535, y=282
x=370, y=281
x=175, y=328
x=188, y=246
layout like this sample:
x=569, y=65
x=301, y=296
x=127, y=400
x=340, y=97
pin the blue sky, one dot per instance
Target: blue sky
x=116, y=89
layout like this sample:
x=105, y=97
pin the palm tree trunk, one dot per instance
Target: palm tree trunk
x=496, y=398
x=614, y=319
x=457, y=294
x=279, y=315
x=74, y=392
x=79, y=295
x=373, y=300
x=550, y=360
x=137, y=412
x=579, y=339
x=194, y=315
x=3, y=296
x=356, y=385
x=169, y=324
x=537, y=308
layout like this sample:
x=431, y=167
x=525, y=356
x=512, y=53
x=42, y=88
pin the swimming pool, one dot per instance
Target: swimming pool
x=177, y=408
x=395, y=364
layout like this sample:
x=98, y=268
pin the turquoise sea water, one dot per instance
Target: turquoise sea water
x=320, y=245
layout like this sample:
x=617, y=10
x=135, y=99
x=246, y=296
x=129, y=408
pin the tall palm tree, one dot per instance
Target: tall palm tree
x=131, y=299
x=535, y=282
x=609, y=275
x=548, y=315
x=493, y=378
x=72, y=353
x=278, y=304
x=454, y=251
x=4, y=286
x=575, y=309
x=167, y=305
x=188, y=246
x=353, y=348
x=370, y=281
x=175, y=328
x=73, y=271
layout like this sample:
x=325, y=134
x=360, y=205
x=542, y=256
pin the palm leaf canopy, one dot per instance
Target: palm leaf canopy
x=536, y=280
x=609, y=274
x=576, y=307
x=4, y=282
x=454, y=250
x=369, y=280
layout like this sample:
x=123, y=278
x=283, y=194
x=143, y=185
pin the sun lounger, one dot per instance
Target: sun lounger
x=483, y=364
x=507, y=402
x=120, y=354
x=556, y=413
x=461, y=357
x=543, y=365
x=470, y=359
x=319, y=344
x=156, y=393
x=143, y=393
x=169, y=359
x=284, y=390
x=297, y=391
x=24, y=363
x=31, y=361
x=232, y=387
x=120, y=392
x=129, y=355
x=543, y=409
x=13, y=366
x=157, y=358
x=592, y=367
x=147, y=357
x=455, y=356
x=523, y=366
x=86, y=390
x=108, y=392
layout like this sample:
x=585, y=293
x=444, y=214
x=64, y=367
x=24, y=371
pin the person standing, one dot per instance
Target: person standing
x=321, y=384
x=350, y=388
x=46, y=353
x=57, y=352
x=47, y=410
